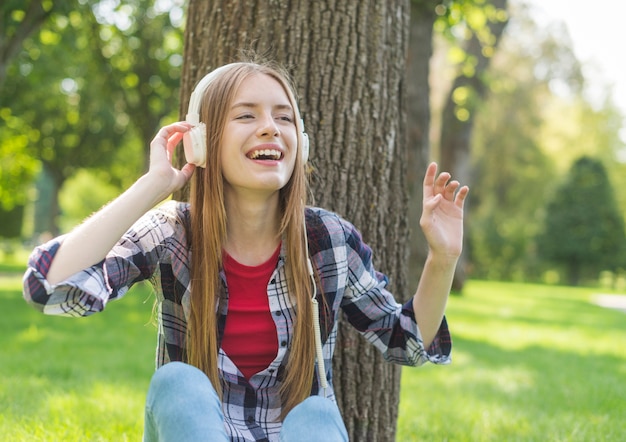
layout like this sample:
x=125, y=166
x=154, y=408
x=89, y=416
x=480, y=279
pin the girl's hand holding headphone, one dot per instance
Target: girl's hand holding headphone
x=161, y=155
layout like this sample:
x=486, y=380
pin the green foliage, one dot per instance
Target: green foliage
x=11, y=222
x=459, y=20
x=19, y=19
x=69, y=104
x=526, y=135
x=83, y=194
x=460, y=17
x=142, y=41
x=510, y=170
x=530, y=363
x=18, y=166
x=584, y=230
x=574, y=127
x=89, y=88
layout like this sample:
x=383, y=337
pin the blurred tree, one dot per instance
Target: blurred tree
x=18, y=20
x=478, y=21
x=142, y=41
x=68, y=103
x=420, y=50
x=574, y=126
x=534, y=123
x=484, y=25
x=100, y=107
x=348, y=60
x=510, y=166
x=584, y=230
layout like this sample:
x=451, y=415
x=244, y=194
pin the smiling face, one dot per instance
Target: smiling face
x=259, y=142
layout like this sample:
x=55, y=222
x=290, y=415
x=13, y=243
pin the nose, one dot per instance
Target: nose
x=268, y=127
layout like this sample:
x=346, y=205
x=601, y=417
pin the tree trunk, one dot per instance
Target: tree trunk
x=348, y=60
x=47, y=210
x=456, y=133
x=418, y=123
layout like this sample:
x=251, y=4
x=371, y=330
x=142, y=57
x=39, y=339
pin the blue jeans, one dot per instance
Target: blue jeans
x=183, y=406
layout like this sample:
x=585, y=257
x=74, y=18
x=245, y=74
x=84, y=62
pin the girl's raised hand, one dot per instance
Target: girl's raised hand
x=442, y=213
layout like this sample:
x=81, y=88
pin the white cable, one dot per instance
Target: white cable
x=318, y=345
x=316, y=317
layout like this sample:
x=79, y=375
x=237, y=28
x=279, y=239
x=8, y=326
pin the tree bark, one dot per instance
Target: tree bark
x=456, y=134
x=348, y=59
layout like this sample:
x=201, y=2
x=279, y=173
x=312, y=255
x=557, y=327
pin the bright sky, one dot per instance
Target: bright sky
x=598, y=32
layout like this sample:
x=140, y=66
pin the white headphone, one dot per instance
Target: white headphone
x=194, y=140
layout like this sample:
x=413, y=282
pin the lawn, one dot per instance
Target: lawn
x=74, y=379
x=531, y=363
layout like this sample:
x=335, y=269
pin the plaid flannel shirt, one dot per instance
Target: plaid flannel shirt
x=156, y=248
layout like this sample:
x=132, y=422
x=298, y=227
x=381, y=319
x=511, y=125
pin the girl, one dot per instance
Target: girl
x=249, y=281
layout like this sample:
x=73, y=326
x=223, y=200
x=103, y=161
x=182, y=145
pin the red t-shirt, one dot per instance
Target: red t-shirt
x=250, y=339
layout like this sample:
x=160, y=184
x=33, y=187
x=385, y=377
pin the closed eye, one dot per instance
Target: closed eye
x=244, y=116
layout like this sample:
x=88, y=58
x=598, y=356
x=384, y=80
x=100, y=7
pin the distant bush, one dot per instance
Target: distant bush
x=584, y=229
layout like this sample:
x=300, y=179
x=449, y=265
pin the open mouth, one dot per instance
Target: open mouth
x=265, y=154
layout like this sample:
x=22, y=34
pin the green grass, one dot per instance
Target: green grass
x=74, y=379
x=531, y=363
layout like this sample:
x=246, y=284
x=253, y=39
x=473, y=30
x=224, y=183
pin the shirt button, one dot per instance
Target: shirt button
x=283, y=343
x=250, y=419
x=271, y=370
x=278, y=313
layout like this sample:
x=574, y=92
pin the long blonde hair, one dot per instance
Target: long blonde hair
x=208, y=233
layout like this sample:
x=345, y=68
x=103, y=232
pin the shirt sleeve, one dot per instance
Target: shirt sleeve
x=373, y=310
x=134, y=258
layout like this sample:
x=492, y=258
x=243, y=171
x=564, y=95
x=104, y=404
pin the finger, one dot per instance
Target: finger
x=450, y=189
x=167, y=131
x=188, y=170
x=461, y=195
x=429, y=180
x=167, y=138
x=441, y=182
x=173, y=141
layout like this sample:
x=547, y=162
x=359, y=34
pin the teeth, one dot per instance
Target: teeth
x=272, y=154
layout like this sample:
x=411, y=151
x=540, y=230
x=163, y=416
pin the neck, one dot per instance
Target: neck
x=253, y=226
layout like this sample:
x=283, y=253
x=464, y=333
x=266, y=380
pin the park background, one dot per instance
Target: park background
x=537, y=356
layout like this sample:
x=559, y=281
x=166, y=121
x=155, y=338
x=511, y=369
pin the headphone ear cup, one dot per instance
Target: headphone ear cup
x=194, y=143
x=305, y=147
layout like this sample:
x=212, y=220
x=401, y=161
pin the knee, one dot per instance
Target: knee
x=316, y=418
x=173, y=370
x=179, y=377
x=316, y=406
